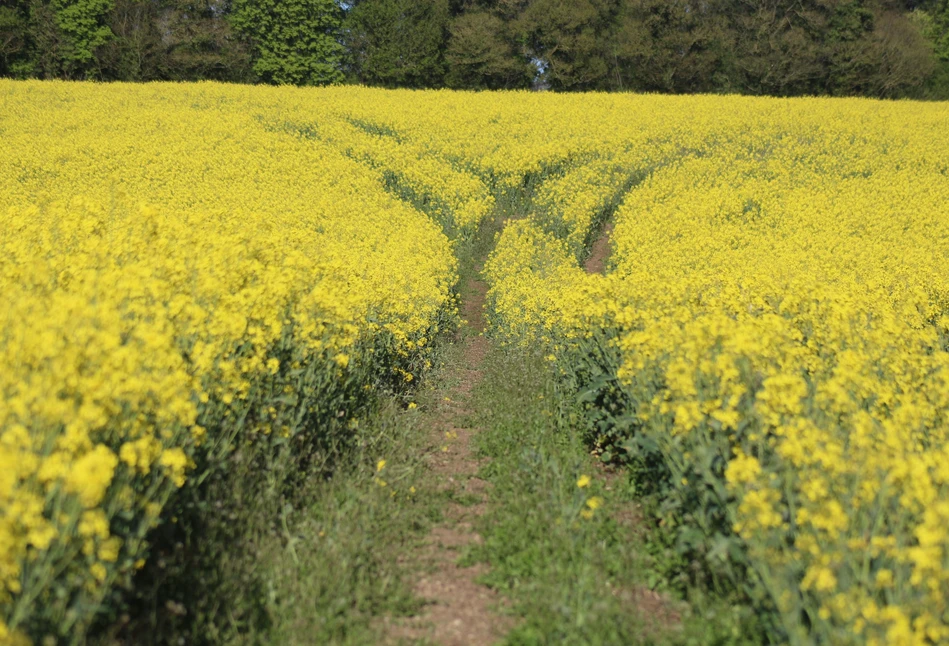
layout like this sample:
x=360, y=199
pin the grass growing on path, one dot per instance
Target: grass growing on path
x=575, y=572
x=333, y=566
x=551, y=532
x=566, y=539
x=345, y=569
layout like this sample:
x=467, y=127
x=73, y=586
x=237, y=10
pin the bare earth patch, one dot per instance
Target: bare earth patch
x=600, y=252
x=458, y=611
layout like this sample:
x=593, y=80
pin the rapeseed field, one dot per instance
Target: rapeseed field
x=771, y=346
x=188, y=269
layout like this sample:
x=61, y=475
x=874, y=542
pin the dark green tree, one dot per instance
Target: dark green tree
x=398, y=43
x=292, y=41
x=899, y=59
x=136, y=51
x=199, y=42
x=14, y=40
x=659, y=46
x=484, y=54
x=570, y=40
x=932, y=19
x=939, y=31
x=849, y=47
x=884, y=48
x=45, y=42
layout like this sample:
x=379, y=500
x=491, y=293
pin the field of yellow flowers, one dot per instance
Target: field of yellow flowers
x=181, y=277
x=188, y=270
x=771, y=347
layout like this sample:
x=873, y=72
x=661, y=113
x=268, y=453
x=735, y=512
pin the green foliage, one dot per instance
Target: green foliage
x=14, y=35
x=579, y=575
x=849, y=21
x=933, y=23
x=937, y=85
x=83, y=25
x=218, y=558
x=134, y=53
x=898, y=59
x=672, y=47
x=939, y=32
x=54, y=38
x=293, y=41
x=398, y=43
x=681, y=482
x=560, y=567
x=198, y=42
x=879, y=48
x=482, y=55
x=571, y=38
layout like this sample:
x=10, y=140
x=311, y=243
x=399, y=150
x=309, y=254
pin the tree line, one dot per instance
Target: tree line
x=884, y=48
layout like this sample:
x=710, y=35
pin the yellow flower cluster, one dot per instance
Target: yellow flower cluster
x=779, y=307
x=172, y=270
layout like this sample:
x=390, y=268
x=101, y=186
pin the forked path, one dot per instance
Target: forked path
x=459, y=611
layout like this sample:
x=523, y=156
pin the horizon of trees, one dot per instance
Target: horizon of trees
x=879, y=48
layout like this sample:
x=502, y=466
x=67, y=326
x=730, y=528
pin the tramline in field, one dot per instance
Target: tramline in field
x=194, y=270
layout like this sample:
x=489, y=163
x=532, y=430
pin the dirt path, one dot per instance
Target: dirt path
x=600, y=253
x=459, y=611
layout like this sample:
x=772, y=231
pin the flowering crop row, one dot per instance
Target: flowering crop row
x=772, y=345
x=178, y=281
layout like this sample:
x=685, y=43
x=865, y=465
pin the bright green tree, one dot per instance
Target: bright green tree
x=933, y=20
x=84, y=26
x=61, y=38
x=293, y=41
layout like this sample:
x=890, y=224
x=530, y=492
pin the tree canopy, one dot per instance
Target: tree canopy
x=884, y=48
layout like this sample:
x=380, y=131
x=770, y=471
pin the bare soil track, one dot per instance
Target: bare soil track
x=459, y=611
x=600, y=252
